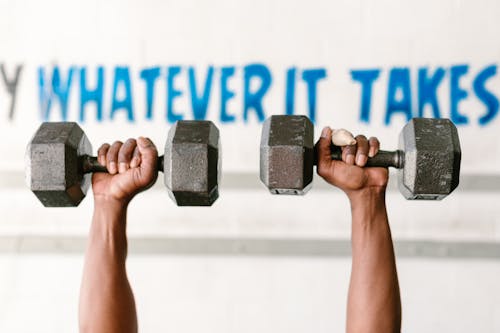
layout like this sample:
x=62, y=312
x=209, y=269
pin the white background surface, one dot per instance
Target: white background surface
x=339, y=36
x=227, y=294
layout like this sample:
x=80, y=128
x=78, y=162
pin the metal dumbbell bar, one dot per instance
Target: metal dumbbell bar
x=428, y=158
x=59, y=163
x=59, y=160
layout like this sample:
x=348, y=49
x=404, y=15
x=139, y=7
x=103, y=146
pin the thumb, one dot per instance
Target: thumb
x=323, y=150
x=149, y=158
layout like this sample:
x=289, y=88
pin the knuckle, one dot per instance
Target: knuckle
x=117, y=143
x=130, y=141
x=111, y=155
x=103, y=148
x=121, y=155
x=350, y=150
x=321, y=169
x=150, y=146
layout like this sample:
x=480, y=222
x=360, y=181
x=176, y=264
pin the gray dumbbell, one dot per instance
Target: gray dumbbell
x=428, y=157
x=59, y=163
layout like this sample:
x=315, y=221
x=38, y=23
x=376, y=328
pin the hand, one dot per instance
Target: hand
x=132, y=168
x=349, y=174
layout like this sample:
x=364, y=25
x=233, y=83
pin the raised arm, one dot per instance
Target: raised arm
x=374, y=303
x=106, y=298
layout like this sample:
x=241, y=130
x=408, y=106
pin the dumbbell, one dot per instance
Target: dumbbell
x=59, y=163
x=428, y=158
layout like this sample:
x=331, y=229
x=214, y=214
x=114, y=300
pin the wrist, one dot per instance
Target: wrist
x=368, y=204
x=109, y=203
x=370, y=193
x=109, y=208
x=109, y=218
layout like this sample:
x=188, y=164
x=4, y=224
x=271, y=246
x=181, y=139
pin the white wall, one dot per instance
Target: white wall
x=447, y=251
x=251, y=294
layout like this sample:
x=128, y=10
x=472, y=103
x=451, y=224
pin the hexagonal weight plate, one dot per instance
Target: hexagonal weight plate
x=432, y=159
x=192, y=163
x=53, y=168
x=287, y=154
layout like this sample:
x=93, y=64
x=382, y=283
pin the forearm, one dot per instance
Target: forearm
x=106, y=299
x=374, y=303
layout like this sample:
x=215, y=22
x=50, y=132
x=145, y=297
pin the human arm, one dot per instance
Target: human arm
x=374, y=303
x=106, y=299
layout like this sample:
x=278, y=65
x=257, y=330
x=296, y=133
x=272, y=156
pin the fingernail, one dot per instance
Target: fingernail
x=371, y=153
x=100, y=160
x=361, y=160
x=324, y=132
x=122, y=167
x=112, y=168
x=349, y=159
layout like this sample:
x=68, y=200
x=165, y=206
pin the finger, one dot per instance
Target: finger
x=324, y=155
x=374, y=146
x=125, y=155
x=112, y=157
x=101, y=153
x=136, y=158
x=323, y=151
x=334, y=172
x=149, y=159
x=348, y=154
x=362, y=150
